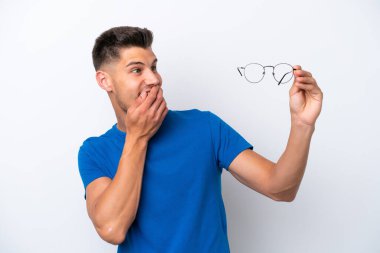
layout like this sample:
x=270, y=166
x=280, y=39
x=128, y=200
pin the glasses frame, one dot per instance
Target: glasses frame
x=273, y=68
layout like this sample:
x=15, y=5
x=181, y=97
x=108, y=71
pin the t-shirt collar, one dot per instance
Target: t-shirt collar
x=117, y=131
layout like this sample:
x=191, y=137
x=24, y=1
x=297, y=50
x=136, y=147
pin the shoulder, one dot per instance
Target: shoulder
x=193, y=118
x=191, y=114
x=95, y=141
x=189, y=121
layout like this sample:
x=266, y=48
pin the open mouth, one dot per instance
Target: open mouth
x=147, y=92
x=146, y=89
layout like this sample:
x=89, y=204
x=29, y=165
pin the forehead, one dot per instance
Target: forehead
x=145, y=55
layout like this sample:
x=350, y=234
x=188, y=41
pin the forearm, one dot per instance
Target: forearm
x=116, y=208
x=290, y=168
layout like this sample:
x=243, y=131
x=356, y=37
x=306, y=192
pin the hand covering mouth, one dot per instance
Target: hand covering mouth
x=145, y=90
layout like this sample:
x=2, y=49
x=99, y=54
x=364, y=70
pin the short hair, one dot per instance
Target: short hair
x=108, y=44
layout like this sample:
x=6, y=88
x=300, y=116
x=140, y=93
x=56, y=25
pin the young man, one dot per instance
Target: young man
x=153, y=180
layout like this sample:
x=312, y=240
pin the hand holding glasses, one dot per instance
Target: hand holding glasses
x=254, y=72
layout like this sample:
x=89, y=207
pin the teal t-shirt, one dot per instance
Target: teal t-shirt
x=181, y=207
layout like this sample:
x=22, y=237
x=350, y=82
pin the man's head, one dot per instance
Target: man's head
x=125, y=64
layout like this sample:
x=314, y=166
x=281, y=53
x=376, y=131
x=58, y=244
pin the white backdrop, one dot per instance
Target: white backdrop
x=50, y=102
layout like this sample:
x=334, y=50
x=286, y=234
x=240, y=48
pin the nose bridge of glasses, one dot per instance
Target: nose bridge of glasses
x=269, y=67
x=254, y=70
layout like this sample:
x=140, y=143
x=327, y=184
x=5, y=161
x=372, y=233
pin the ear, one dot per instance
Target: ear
x=104, y=80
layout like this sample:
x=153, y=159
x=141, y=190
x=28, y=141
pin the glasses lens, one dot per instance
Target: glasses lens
x=254, y=72
x=283, y=72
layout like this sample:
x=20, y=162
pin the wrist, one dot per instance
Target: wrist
x=302, y=128
x=298, y=123
x=136, y=140
x=134, y=144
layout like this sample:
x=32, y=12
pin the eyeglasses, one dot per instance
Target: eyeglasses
x=254, y=72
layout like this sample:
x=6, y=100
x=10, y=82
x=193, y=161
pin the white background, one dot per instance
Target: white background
x=50, y=102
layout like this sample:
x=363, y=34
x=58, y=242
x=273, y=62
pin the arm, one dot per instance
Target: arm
x=280, y=181
x=290, y=168
x=112, y=204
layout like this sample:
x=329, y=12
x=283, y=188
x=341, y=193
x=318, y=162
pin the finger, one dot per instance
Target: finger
x=151, y=97
x=297, y=67
x=294, y=89
x=161, y=110
x=300, y=72
x=164, y=112
x=140, y=99
x=157, y=102
x=307, y=87
x=307, y=80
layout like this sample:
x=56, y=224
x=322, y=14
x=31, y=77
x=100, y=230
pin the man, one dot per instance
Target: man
x=153, y=181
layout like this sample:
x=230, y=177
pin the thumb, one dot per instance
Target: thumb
x=294, y=89
x=297, y=67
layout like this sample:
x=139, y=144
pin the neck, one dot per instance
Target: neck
x=121, y=122
x=120, y=115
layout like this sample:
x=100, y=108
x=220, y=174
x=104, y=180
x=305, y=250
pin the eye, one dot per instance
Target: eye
x=154, y=68
x=137, y=70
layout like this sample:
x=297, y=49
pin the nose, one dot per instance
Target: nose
x=152, y=78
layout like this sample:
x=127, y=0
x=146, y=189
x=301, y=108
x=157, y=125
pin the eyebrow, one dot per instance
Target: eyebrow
x=139, y=63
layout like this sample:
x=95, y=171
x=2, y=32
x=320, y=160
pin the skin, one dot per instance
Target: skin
x=137, y=98
x=280, y=181
x=127, y=87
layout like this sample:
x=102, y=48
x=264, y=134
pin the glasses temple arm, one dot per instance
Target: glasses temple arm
x=239, y=71
x=283, y=78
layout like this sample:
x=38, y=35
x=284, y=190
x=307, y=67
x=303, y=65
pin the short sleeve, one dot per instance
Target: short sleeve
x=227, y=142
x=88, y=168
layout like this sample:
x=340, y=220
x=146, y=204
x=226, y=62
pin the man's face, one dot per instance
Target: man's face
x=135, y=72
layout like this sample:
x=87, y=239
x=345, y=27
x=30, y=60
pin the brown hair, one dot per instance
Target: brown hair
x=107, y=45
